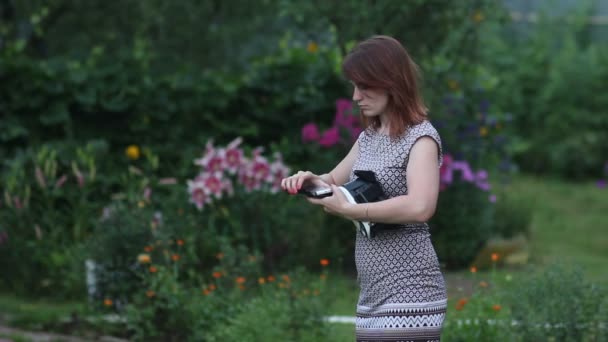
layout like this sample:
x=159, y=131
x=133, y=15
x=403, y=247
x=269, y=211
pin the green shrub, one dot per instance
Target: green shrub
x=558, y=304
x=552, y=79
x=463, y=224
x=48, y=212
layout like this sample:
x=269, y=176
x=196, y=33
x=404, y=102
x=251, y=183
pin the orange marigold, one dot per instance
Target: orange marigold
x=148, y=249
x=144, y=258
x=324, y=262
x=261, y=280
x=107, y=302
x=271, y=278
x=180, y=242
x=473, y=269
x=206, y=292
x=211, y=287
x=286, y=278
x=240, y=280
x=217, y=274
x=150, y=293
x=495, y=257
x=153, y=269
x=496, y=307
x=175, y=257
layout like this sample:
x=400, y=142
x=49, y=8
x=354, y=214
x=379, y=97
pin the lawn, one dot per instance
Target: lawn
x=567, y=226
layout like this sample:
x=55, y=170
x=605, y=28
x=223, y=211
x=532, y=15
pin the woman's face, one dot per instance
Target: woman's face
x=371, y=102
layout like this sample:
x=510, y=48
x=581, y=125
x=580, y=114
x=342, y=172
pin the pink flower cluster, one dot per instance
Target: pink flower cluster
x=331, y=136
x=221, y=168
x=479, y=178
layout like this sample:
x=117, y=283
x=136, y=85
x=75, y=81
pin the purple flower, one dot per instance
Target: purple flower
x=492, y=198
x=310, y=132
x=463, y=166
x=601, y=183
x=330, y=137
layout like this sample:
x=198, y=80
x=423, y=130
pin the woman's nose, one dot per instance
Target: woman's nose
x=357, y=95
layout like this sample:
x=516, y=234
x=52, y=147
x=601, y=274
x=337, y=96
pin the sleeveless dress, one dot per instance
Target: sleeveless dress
x=403, y=295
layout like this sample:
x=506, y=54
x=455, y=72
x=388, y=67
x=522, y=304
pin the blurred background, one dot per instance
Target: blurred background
x=142, y=143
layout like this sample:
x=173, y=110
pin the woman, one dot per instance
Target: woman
x=403, y=295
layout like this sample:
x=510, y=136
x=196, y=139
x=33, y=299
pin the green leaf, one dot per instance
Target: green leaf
x=57, y=114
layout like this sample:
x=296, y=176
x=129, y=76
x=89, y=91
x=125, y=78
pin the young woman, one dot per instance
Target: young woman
x=403, y=296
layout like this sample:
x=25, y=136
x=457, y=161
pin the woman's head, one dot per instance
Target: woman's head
x=386, y=83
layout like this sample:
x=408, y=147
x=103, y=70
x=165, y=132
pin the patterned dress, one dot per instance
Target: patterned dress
x=403, y=296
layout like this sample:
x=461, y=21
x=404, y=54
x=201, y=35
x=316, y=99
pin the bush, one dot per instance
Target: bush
x=224, y=304
x=552, y=80
x=48, y=211
x=463, y=225
x=558, y=304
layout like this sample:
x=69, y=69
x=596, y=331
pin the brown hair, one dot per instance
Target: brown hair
x=381, y=62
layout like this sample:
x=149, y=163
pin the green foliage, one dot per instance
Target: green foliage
x=224, y=305
x=49, y=209
x=543, y=299
x=460, y=231
x=553, y=82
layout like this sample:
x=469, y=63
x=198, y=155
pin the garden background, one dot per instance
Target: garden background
x=142, y=142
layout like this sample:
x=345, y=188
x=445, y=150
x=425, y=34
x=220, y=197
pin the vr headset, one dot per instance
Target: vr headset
x=365, y=189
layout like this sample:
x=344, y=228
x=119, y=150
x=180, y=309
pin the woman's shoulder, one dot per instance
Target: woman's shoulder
x=421, y=129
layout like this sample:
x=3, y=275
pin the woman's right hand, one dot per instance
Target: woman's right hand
x=295, y=182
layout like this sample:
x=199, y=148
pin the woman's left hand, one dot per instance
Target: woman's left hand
x=335, y=204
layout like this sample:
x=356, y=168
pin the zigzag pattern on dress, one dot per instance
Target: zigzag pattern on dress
x=387, y=322
x=404, y=308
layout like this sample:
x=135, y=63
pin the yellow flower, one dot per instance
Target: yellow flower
x=261, y=280
x=141, y=204
x=312, y=47
x=478, y=16
x=133, y=152
x=483, y=131
x=143, y=258
x=452, y=84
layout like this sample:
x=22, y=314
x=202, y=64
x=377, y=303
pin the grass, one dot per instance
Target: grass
x=35, y=314
x=569, y=223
